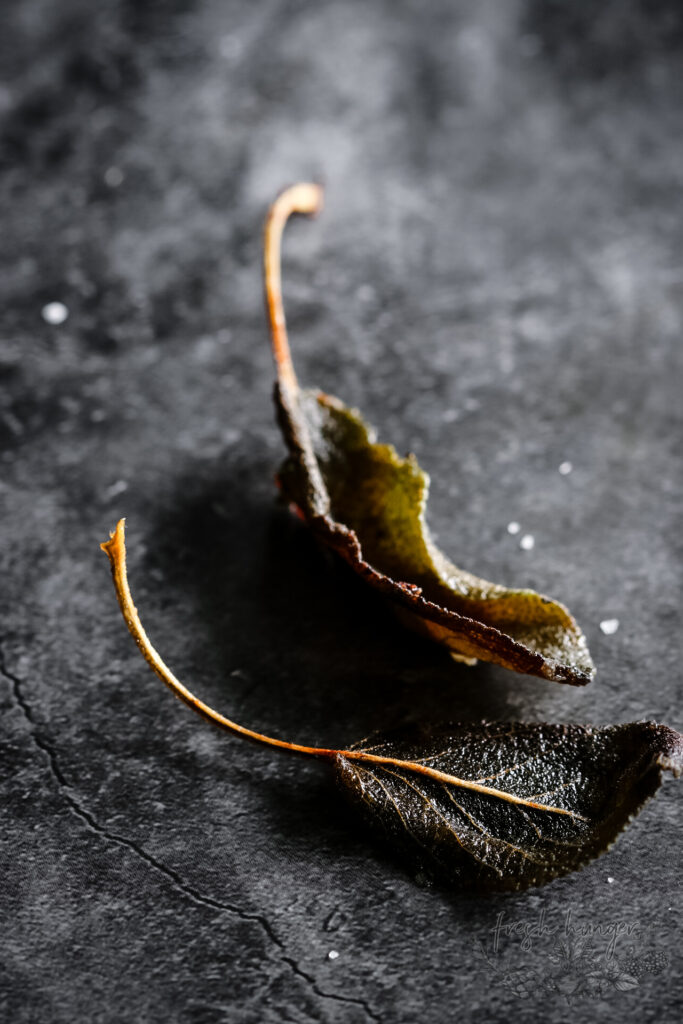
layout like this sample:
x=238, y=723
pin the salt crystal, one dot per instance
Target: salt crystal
x=609, y=626
x=113, y=177
x=513, y=528
x=527, y=542
x=333, y=955
x=54, y=313
x=116, y=488
x=611, y=880
x=565, y=468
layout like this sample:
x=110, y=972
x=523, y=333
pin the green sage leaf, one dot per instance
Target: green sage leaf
x=368, y=504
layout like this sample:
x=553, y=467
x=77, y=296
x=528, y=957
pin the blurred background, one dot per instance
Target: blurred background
x=497, y=282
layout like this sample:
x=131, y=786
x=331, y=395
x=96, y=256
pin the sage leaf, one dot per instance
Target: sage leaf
x=364, y=501
x=507, y=806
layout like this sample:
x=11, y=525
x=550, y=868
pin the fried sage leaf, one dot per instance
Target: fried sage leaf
x=368, y=504
x=498, y=807
x=508, y=806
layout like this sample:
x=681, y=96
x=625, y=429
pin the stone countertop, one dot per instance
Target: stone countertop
x=497, y=283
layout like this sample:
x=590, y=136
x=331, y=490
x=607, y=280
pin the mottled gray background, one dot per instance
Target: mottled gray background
x=497, y=282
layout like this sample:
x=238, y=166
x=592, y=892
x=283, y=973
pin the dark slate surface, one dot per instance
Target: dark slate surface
x=496, y=282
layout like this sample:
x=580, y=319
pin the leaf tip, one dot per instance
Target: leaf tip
x=669, y=750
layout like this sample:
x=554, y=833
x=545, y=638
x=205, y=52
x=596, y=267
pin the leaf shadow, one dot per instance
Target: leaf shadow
x=318, y=814
x=321, y=649
x=282, y=637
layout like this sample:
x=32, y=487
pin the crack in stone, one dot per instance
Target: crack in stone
x=330, y=995
x=113, y=837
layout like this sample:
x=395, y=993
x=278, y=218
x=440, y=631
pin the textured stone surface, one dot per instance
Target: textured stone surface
x=497, y=284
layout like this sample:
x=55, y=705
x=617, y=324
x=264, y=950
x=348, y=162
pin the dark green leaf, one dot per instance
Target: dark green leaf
x=368, y=504
x=520, y=804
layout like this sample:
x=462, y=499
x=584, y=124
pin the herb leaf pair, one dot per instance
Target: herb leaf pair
x=493, y=806
x=368, y=504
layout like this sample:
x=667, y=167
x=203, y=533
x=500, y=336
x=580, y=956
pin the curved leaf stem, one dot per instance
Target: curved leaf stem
x=115, y=549
x=302, y=198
